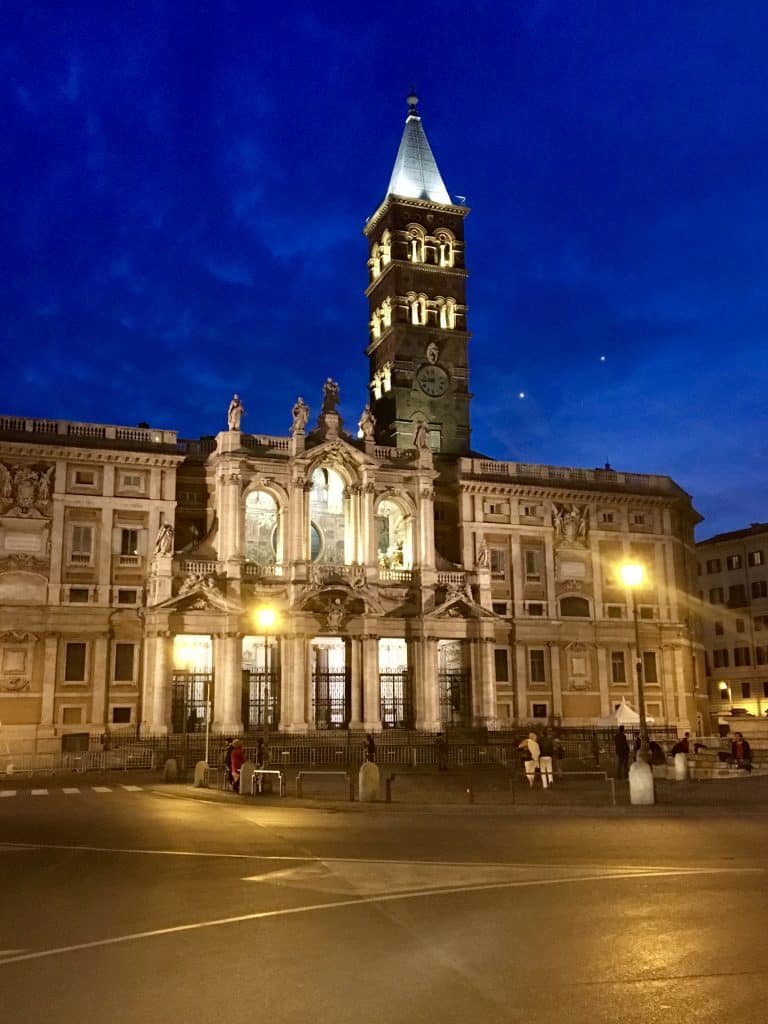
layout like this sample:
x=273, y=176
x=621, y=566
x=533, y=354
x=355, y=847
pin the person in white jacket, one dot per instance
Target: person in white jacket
x=531, y=744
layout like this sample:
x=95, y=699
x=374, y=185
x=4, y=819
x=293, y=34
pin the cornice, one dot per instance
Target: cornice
x=418, y=204
x=52, y=452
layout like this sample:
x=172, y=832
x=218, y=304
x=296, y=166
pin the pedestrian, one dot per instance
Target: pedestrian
x=228, y=761
x=682, y=746
x=370, y=746
x=532, y=754
x=441, y=746
x=741, y=752
x=236, y=763
x=621, y=746
x=595, y=747
x=547, y=752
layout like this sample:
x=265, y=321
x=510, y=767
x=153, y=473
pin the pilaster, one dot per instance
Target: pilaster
x=371, y=686
x=227, y=704
x=99, y=680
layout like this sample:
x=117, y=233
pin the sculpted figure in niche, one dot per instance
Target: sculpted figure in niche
x=235, y=413
x=164, y=540
x=367, y=423
x=421, y=435
x=330, y=395
x=483, y=556
x=432, y=352
x=300, y=413
x=570, y=523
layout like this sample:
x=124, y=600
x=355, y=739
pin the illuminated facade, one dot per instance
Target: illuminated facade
x=381, y=578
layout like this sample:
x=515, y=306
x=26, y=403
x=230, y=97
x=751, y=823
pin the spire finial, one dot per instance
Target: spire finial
x=412, y=100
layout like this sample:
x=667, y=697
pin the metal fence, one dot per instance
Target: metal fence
x=119, y=759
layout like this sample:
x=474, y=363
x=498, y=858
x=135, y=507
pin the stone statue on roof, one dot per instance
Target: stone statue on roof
x=235, y=413
x=300, y=414
x=330, y=396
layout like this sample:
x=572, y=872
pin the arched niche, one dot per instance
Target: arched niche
x=263, y=543
x=329, y=540
x=394, y=534
x=574, y=607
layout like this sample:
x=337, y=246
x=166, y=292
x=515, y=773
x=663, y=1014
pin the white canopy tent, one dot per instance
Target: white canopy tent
x=624, y=714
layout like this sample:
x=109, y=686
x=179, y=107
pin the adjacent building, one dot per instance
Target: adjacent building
x=385, y=576
x=733, y=590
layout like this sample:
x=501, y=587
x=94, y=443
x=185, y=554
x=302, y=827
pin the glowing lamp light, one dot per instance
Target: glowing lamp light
x=723, y=686
x=266, y=618
x=632, y=575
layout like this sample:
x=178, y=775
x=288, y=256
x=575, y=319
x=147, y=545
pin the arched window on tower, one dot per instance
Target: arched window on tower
x=445, y=249
x=417, y=305
x=261, y=528
x=386, y=312
x=375, y=324
x=374, y=262
x=326, y=517
x=416, y=244
x=385, y=249
x=450, y=313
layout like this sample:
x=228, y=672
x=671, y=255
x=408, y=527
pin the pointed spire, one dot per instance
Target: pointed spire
x=415, y=174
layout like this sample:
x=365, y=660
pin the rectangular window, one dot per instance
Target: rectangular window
x=740, y=626
x=535, y=608
x=733, y=562
x=498, y=564
x=532, y=566
x=85, y=477
x=74, y=663
x=71, y=716
x=606, y=517
x=538, y=666
x=129, y=542
x=755, y=558
x=131, y=480
x=618, y=668
x=761, y=655
x=126, y=597
x=737, y=595
x=720, y=658
x=638, y=519
x=501, y=664
x=759, y=588
x=78, y=595
x=714, y=565
x=499, y=607
x=742, y=656
x=123, y=663
x=649, y=667
x=716, y=595
x=746, y=690
x=82, y=544
x=614, y=611
x=121, y=716
x=718, y=629
x=761, y=622
x=765, y=689
x=647, y=611
x=538, y=710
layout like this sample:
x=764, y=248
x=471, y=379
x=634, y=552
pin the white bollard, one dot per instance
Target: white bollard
x=641, y=783
x=681, y=767
x=368, y=782
x=200, y=782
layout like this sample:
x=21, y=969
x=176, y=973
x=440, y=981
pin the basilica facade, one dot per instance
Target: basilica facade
x=380, y=577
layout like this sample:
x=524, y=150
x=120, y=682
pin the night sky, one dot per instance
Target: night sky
x=183, y=188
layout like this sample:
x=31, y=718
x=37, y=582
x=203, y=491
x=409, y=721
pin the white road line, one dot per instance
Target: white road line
x=338, y=904
x=70, y=789
x=39, y=792
x=7, y=792
x=101, y=789
x=133, y=789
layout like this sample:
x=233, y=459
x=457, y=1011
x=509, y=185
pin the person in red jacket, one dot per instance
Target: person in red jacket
x=236, y=763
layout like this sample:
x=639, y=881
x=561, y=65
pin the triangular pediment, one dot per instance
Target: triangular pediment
x=338, y=450
x=202, y=595
x=459, y=606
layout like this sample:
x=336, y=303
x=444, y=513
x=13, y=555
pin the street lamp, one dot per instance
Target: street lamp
x=267, y=619
x=633, y=576
x=725, y=691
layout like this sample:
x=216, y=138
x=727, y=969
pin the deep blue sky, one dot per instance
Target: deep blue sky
x=183, y=187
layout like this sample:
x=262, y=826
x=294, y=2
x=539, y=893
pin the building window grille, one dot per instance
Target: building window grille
x=189, y=692
x=733, y=562
x=537, y=666
x=742, y=657
x=455, y=698
x=755, y=558
x=759, y=588
x=618, y=667
x=650, y=674
x=124, y=663
x=395, y=700
x=74, y=663
x=501, y=664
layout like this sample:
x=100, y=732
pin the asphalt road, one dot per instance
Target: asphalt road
x=168, y=904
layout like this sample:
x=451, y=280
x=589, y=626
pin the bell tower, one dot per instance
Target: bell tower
x=419, y=368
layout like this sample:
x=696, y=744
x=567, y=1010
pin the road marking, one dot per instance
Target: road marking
x=70, y=789
x=7, y=792
x=352, y=902
x=101, y=789
x=133, y=789
x=39, y=792
x=10, y=952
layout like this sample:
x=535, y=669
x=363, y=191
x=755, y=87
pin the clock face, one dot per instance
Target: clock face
x=433, y=381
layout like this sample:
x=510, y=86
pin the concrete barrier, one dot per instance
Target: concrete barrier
x=368, y=782
x=681, y=767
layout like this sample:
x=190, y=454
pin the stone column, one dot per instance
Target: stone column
x=367, y=532
x=104, y=553
x=99, y=681
x=554, y=669
x=604, y=681
x=549, y=568
x=50, y=651
x=351, y=524
x=296, y=697
x=667, y=669
x=428, y=713
x=228, y=686
x=356, y=684
x=485, y=701
x=521, y=681
x=160, y=716
x=371, y=686
x=425, y=554
x=684, y=704
x=517, y=578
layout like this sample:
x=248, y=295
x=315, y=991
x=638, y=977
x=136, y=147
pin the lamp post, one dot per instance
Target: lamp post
x=267, y=619
x=725, y=691
x=633, y=576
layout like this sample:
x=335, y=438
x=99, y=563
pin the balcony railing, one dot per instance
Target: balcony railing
x=567, y=474
x=93, y=431
x=252, y=570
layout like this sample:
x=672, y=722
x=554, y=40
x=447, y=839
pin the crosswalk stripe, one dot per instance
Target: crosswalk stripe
x=133, y=789
x=7, y=792
x=101, y=789
x=39, y=792
x=70, y=789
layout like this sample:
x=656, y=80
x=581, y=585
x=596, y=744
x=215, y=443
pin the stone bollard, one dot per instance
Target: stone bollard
x=171, y=770
x=641, y=783
x=246, y=777
x=201, y=775
x=681, y=767
x=368, y=782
